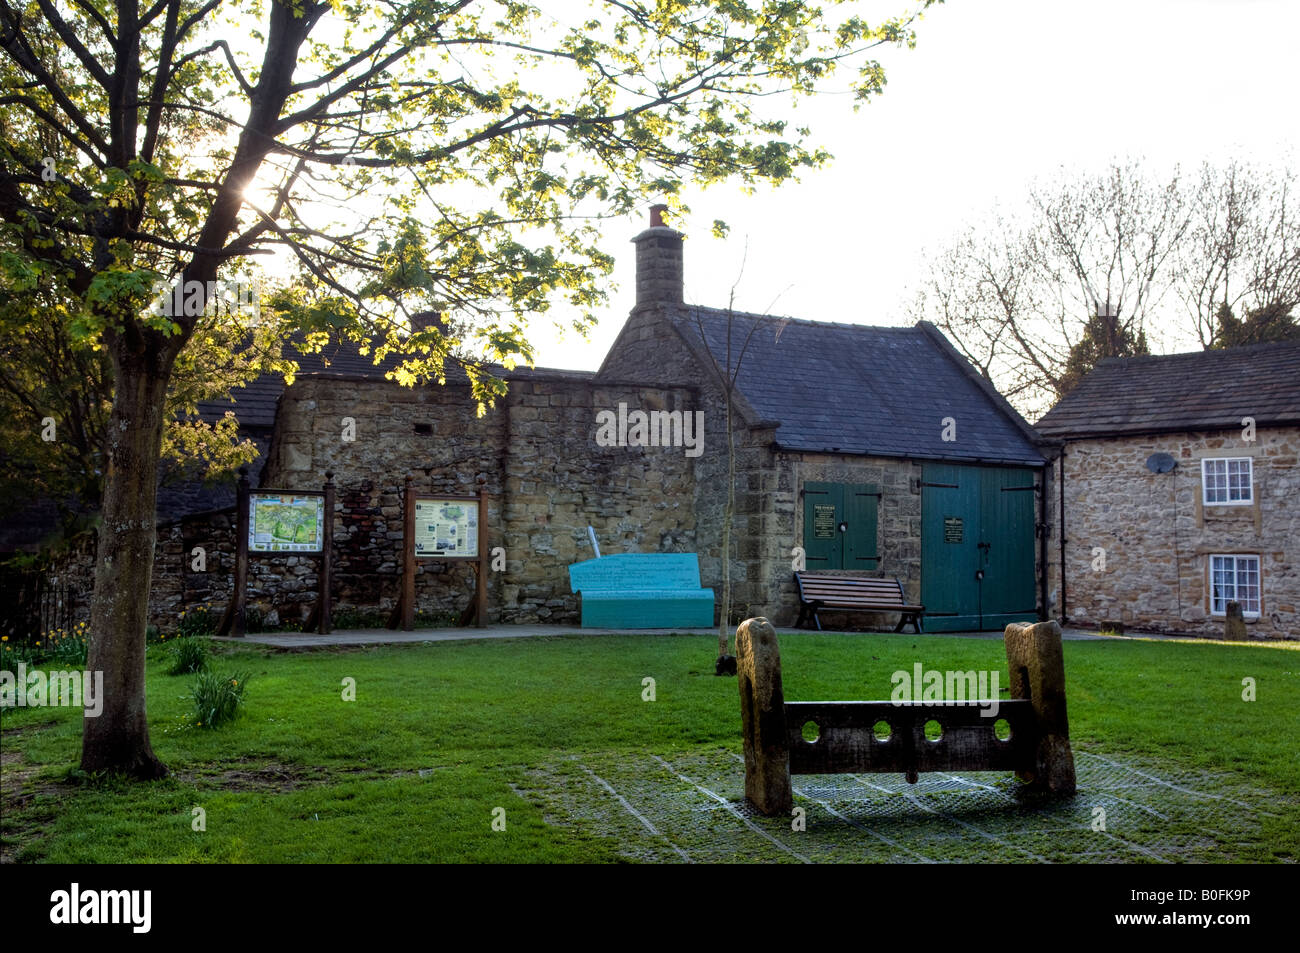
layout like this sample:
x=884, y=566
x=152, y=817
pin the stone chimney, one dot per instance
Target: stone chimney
x=658, y=262
x=424, y=320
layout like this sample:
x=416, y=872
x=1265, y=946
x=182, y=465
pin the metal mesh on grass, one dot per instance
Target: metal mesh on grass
x=689, y=806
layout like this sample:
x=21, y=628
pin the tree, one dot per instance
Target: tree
x=1103, y=336
x=727, y=374
x=432, y=150
x=1242, y=256
x=1020, y=297
x=1275, y=322
x=56, y=395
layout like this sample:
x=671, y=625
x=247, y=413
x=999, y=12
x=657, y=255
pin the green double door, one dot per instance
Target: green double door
x=977, y=547
x=839, y=525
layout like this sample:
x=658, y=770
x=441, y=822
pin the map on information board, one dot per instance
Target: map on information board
x=285, y=524
x=446, y=528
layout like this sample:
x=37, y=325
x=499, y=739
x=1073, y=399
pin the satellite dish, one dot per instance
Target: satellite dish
x=1161, y=463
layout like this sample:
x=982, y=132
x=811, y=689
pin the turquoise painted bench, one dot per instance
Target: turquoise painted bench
x=642, y=591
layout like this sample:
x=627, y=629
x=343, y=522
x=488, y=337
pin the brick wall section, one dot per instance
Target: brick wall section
x=176, y=585
x=1159, y=538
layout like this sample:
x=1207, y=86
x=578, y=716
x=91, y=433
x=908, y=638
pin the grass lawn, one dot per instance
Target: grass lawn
x=555, y=732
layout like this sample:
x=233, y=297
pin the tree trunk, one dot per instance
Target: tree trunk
x=118, y=739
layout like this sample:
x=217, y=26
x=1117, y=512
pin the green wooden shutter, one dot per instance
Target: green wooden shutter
x=860, y=541
x=823, y=508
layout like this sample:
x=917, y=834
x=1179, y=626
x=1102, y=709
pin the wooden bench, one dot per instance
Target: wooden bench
x=642, y=591
x=823, y=590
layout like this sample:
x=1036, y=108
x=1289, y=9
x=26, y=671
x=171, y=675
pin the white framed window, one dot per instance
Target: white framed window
x=1234, y=579
x=1226, y=481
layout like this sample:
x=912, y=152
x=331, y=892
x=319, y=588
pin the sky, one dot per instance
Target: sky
x=996, y=95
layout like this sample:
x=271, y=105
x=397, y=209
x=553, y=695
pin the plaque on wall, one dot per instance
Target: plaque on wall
x=824, y=521
x=952, y=529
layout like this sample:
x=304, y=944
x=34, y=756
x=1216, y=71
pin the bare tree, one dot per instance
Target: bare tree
x=1159, y=257
x=1242, y=250
x=727, y=374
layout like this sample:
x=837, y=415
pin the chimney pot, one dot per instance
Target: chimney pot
x=657, y=215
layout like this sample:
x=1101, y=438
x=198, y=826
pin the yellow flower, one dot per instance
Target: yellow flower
x=4, y=638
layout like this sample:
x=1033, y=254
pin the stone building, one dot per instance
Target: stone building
x=868, y=448
x=1178, y=477
x=916, y=466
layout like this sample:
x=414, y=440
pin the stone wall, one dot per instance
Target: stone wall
x=648, y=348
x=898, y=525
x=1158, y=537
x=177, y=586
x=536, y=453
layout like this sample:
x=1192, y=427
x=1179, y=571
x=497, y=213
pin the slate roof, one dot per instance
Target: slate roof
x=255, y=403
x=1203, y=390
x=861, y=389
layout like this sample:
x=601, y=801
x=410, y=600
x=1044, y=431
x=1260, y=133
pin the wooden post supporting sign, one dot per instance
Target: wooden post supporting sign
x=442, y=532
x=408, y=556
x=302, y=531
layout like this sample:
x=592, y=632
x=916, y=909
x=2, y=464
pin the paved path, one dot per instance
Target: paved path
x=297, y=640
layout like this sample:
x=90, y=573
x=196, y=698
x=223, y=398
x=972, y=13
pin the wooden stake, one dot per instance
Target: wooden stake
x=408, y=556
x=324, y=599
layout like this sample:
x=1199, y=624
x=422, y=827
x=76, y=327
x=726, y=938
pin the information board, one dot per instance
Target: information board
x=446, y=528
x=285, y=523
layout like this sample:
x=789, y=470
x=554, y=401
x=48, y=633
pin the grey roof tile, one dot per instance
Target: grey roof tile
x=1201, y=390
x=861, y=389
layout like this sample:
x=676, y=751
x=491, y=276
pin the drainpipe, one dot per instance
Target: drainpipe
x=1062, y=517
x=1042, y=542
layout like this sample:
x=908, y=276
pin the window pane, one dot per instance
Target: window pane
x=1239, y=480
x=1248, y=583
x=1216, y=481
x=1219, y=584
